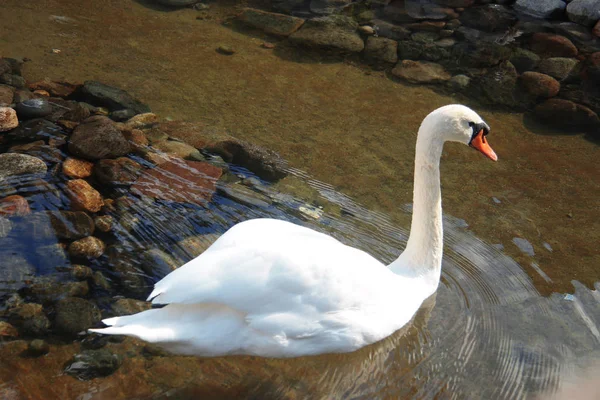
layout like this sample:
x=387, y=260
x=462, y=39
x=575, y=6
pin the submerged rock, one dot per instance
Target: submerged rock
x=8, y=119
x=130, y=306
x=71, y=224
x=89, y=247
x=157, y=263
x=15, y=270
x=245, y=195
x=540, y=8
x=7, y=330
x=74, y=315
x=584, y=12
x=381, y=50
x=122, y=171
x=539, y=85
x=38, y=347
x=551, y=45
x=558, y=67
x=421, y=72
x=36, y=129
x=329, y=33
x=275, y=24
x=91, y=364
x=76, y=168
x=14, y=205
x=566, y=114
x=98, y=138
x=113, y=98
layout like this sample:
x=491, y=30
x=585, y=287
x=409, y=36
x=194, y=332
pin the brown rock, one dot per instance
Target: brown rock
x=130, y=306
x=88, y=247
x=381, y=50
x=7, y=330
x=97, y=138
x=41, y=93
x=104, y=223
x=83, y=196
x=137, y=137
x=420, y=72
x=596, y=29
x=179, y=149
x=76, y=168
x=183, y=182
x=14, y=206
x=6, y=95
x=426, y=26
x=8, y=119
x=120, y=171
x=139, y=121
x=58, y=89
x=273, y=23
x=566, y=114
x=539, y=85
x=551, y=45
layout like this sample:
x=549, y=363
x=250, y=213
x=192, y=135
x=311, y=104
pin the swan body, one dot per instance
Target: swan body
x=272, y=288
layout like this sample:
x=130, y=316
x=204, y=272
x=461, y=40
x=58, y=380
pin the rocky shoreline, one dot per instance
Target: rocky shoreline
x=537, y=56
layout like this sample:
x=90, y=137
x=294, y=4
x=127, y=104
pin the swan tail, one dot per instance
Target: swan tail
x=148, y=325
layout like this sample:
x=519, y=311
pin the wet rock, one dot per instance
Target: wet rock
x=596, y=29
x=8, y=119
x=539, y=86
x=157, y=263
x=13, y=164
x=391, y=31
x=558, y=67
x=122, y=171
x=15, y=270
x=183, y=182
x=6, y=95
x=422, y=10
x=381, y=51
x=67, y=110
x=140, y=121
x=489, y=18
x=89, y=247
x=420, y=72
x=275, y=24
x=5, y=227
x=83, y=196
x=409, y=50
x=225, y=49
x=327, y=7
x=566, y=114
x=13, y=80
x=71, y=224
x=584, y=12
x=244, y=195
x=551, y=45
x=38, y=347
x=130, y=306
x=34, y=108
x=524, y=60
x=14, y=206
x=577, y=33
x=97, y=138
x=193, y=246
x=179, y=149
x=55, y=88
x=22, y=95
x=541, y=8
x=498, y=85
x=138, y=140
x=104, y=223
x=49, y=290
x=91, y=364
x=337, y=34
x=50, y=257
x=479, y=54
x=76, y=168
x=110, y=97
x=51, y=155
x=74, y=315
x=81, y=272
x=460, y=82
x=100, y=281
x=129, y=277
x=177, y=3
x=7, y=330
x=36, y=129
x=425, y=37
x=121, y=115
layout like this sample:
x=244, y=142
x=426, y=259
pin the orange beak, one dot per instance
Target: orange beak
x=481, y=144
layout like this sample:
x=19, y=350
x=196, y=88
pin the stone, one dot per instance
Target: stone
x=539, y=85
x=140, y=121
x=584, y=12
x=110, y=97
x=137, y=138
x=77, y=168
x=420, y=72
x=193, y=246
x=157, y=263
x=36, y=129
x=83, y=196
x=122, y=115
x=33, y=108
x=38, y=347
x=566, y=114
x=8, y=119
x=97, y=138
x=74, y=315
x=6, y=95
x=381, y=50
x=433, y=26
x=425, y=37
x=551, y=45
x=122, y=171
x=81, y=272
x=14, y=206
x=7, y=330
x=424, y=10
x=225, y=49
x=558, y=67
x=455, y=3
x=49, y=154
x=177, y=3
x=90, y=364
x=391, y=31
x=480, y=54
x=541, y=8
x=13, y=80
x=498, y=85
x=100, y=281
x=287, y=6
x=50, y=290
x=524, y=60
x=89, y=247
x=577, y=33
x=179, y=149
x=71, y=224
x=596, y=29
x=13, y=164
x=327, y=7
x=51, y=257
x=245, y=195
x=275, y=24
x=5, y=227
x=183, y=182
x=55, y=88
x=489, y=18
x=67, y=110
x=409, y=50
x=327, y=33
x=104, y=223
x=130, y=306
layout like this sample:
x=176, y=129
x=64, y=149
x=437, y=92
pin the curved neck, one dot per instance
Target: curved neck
x=422, y=257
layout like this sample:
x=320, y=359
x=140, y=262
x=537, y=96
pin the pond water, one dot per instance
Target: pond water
x=516, y=314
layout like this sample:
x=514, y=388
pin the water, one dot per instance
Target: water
x=503, y=324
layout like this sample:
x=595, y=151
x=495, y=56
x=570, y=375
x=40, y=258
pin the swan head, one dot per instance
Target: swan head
x=458, y=123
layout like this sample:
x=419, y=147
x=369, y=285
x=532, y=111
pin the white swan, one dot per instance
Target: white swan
x=275, y=289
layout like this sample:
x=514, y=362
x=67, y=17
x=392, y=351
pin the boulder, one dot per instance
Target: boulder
x=420, y=72
x=98, y=138
x=8, y=119
x=551, y=45
x=584, y=12
x=541, y=8
x=273, y=23
x=380, y=50
x=539, y=86
x=566, y=114
x=558, y=67
x=113, y=98
x=489, y=18
x=335, y=33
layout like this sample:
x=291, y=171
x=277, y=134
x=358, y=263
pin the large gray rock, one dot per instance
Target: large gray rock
x=12, y=164
x=113, y=98
x=540, y=8
x=97, y=138
x=584, y=12
x=337, y=33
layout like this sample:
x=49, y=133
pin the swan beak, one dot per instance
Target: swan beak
x=480, y=143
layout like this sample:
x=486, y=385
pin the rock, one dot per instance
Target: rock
x=83, y=196
x=409, y=50
x=193, y=246
x=97, y=138
x=489, y=18
x=130, y=306
x=13, y=80
x=122, y=171
x=445, y=42
x=157, y=263
x=524, y=60
x=34, y=108
x=122, y=115
x=81, y=272
x=55, y=88
x=8, y=119
x=551, y=45
x=179, y=149
x=424, y=10
x=380, y=50
x=244, y=195
x=51, y=155
x=88, y=247
x=177, y=3
x=539, y=85
x=573, y=31
x=12, y=164
x=71, y=224
x=6, y=95
x=140, y=121
x=329, y=33
x=36, y=129
x=287, y=6
x=420, y=72
x=391, y=31
x=183, y=182
x=38, y=347
x=7, y=330
x=50, y=290
x=15, y=205
x=566, y=114
x=5, y=227
x=74, y=315
x=225, y=49
x=596, y=29
x=100, y=281
x=455, y=3
x=104, y=223
x=91, y=364
x=584, y=12
x=425, y=37
x=67, y=110
x=76, y=168
x=137, y=138
x=15, y=270
x=275, y=24
x=479, y=54
x=110, y=97
x=498, y=85
x=558, y=67
x=541, y=8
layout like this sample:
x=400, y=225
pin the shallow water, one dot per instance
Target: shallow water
x=500, y=326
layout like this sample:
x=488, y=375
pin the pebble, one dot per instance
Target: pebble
x=226, y=50
x=104, y=223
x=524, y=245
x=81, y=272
x=38, y=347
x=7, y=330
x=33, y=108
x=8, y=119
x=89, y=247
x=14, y=206
x=76, y=168
x=83, y=196
x=91, y=364
x=12, y=164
